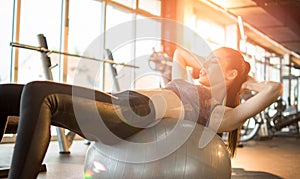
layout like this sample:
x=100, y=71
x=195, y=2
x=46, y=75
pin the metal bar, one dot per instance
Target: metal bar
x=113, y=70
x=45, y=50
x=15, y=69
x=64, y=62
x=46, y=61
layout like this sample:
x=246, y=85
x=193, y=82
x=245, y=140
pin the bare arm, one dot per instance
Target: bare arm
x=183, y=59
x=267, y=93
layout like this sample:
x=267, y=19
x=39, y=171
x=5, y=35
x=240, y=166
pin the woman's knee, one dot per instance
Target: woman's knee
x=36, y=87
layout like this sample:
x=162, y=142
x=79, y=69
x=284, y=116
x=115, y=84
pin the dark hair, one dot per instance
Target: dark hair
x=237, y=62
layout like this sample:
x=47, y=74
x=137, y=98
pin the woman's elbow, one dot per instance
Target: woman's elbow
x=275, y=88
x=226, y=127
x=280, y=88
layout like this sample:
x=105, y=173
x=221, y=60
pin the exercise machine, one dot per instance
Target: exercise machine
x=65, y=140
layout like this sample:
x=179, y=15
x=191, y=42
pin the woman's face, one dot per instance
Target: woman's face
x=215, y=69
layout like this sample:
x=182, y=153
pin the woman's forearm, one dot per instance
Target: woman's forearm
x=188, y=59
x=256, y=86
x=183, y=59
x=267, y=93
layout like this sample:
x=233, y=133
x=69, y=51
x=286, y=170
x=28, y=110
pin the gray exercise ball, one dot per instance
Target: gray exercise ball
x=168, y=149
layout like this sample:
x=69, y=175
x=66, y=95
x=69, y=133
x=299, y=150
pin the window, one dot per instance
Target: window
x=148, y=38
x=152, y=6
x=273, y=69
x=213, y=33
x=120, y=40
x=37, y=17
x=85, y=25
x=87, y=21
x=128, y=3
x=6, y=20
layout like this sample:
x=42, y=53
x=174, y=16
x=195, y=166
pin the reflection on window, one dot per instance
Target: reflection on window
x=6, y=11
x=85, y=25
x=37, y=17
x=128, y=3
x=152, y=6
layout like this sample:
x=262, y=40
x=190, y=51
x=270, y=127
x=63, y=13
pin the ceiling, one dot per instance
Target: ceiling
x=278, y=20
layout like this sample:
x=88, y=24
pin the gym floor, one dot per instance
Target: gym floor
x=274, y=158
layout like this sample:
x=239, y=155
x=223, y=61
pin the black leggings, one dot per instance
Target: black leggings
x=89, y=113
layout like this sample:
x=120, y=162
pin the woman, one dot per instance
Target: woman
x=96, y=115
x=235, y=79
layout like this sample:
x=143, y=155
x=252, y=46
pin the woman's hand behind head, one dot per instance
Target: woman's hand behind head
x=245, y=86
